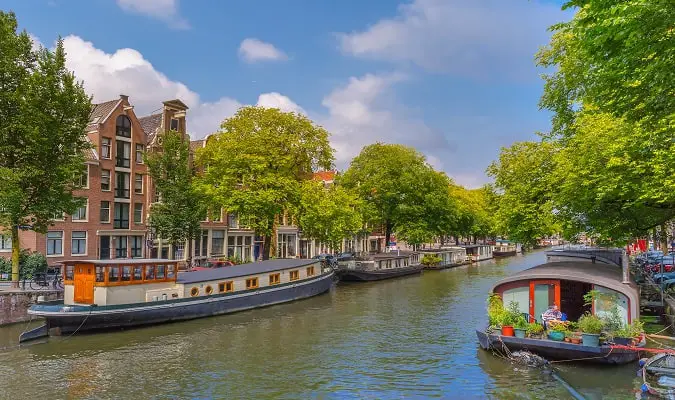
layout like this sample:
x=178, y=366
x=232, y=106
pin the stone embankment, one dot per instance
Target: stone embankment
x=14, y=303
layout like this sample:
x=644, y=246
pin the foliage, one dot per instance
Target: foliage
x=521, y=323
x=430, y=259
x=30, y=263
x=255, y=164
x=177, y=217
x=589, y=323
x=475, y=216
x=328, y=214
x=534, y=329
x=44, y=114
x=495, y=307
x=631, y=330
x=558, y=326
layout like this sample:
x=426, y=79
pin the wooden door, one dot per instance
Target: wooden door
x=84, y=284
x=543, y=293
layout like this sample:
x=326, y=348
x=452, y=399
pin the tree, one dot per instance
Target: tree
x=328, y=214
x=391, y=181
x=255, y=165
x=177, y=216
x=44, y=112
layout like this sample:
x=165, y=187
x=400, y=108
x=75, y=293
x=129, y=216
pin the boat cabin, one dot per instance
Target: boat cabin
x=128, y=281
x=565, y=284
x=448, y=255
x=478, y=252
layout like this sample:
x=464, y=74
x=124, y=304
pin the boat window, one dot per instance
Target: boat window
x=138, y=272
x=100, y=273
x=113, y=274
x=126, y=273
x=70, y=272
x=149, y=272
x=310, y=271
x=252, y=283
x=225, y=287
x=160, y=272
x=295, y=275
x=208, y=289
x=275, y=279
x=194, y=291
x=170, y=271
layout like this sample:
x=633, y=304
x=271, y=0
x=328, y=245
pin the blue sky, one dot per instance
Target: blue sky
x=454, y=78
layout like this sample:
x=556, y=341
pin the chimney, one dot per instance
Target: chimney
x=124, y=97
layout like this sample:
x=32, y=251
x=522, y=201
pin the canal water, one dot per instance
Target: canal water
x=408, y=338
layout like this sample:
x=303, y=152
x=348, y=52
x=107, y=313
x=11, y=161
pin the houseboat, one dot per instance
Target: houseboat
x=564, y=284
x=504, y=248
x=381, y=266
x=478, y=252
x=449, y=256
x=121, y=293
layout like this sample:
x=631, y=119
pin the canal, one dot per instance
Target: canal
x=400, y=339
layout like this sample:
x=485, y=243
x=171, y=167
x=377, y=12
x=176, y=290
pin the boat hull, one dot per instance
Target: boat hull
x=68, y=319
x=552, y=350
x=503, y=253
x=366, y=276
x=445, y=266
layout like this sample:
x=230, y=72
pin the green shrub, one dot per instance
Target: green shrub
x=589, y=323
x=430, y=259
x=534, y=328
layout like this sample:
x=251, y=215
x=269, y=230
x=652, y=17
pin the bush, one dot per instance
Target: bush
x=590, y=324
x=29, y=264
x=534, y=328
x=430, y=260
x=630, y=330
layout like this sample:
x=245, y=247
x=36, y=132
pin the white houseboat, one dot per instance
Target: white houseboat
x=120, y=293
x=450, y=256
x=381, y=266
x=478, y=252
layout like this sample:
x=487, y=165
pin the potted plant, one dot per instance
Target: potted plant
x=625, y=335
x=495, y=309
x=520, y=327
x=556, y=330
x=591, y=327
x=534, y=330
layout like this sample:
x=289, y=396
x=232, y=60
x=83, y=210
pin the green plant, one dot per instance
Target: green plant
x=521, y=323
x=534, y=329
x=630, y=330
x=589, y=323
x=495, y=308
x=430, y=259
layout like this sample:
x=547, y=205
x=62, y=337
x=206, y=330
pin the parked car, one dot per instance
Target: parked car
x=658, y=278
x=346, y=256
x=215, y=263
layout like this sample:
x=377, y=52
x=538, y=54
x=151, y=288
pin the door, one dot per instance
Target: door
x=542, y=295
x=84, y=284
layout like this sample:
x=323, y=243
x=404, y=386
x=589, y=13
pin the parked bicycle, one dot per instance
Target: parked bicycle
x=42, y=281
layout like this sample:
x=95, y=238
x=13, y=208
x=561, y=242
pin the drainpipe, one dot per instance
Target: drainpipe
x=624, y=267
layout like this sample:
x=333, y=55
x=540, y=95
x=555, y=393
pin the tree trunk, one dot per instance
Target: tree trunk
x=267, y=245
x=16, y=251
x=387, y=234
x=664, y=239
x=457, y=240
x=655, y=238
x=442, y=240
x=188, y=254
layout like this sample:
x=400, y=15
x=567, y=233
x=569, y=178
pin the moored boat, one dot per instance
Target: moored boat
x=478, y=252
x=381, y=266
x=504, y=248
x=122, y=293
x=449, y=256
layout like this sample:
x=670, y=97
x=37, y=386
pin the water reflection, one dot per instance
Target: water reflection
x=404, y=338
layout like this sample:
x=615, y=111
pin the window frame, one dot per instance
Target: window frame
x=59, y=239
x=125, y=131
x=100, y=213
x=310, y=271
x=72, y=242
x=139, y=149
x=3, y=241
x=226, y=287
x=274, y=279
x=136, y=181
x=252, y=283
x=107, y=145
x=140, y=219
x=86, y=213
x=294, y=275
x=109, y=179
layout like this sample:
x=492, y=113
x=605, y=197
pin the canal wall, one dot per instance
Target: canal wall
x=14, y=304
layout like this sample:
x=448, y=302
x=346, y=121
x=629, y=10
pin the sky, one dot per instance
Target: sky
x=456, y=79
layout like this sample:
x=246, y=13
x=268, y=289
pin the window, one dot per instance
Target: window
x=217, y=242
x=83, y=181
x=70, y=272
x=104, y=248
x=275, y=279
x=286, y=245
x=160, y=272
x=252, y=283
x=113, y=274
x=138, y=272
x=105, y=212
x=100, y=273
x=106, y=147
x=205, y=242
x=126, y=273
x=105, y=180
x=55, y=243
x=149, y=272
x=208, y=289
x=136, y=246
x=225, y=287
x=174, y=125
x=310, y=271
x=232, y=220
x=170, y=271
x=178, y=251
x=138, y=184
x=295, y=275
x=239, y=246
x=123, y=156
x=59, y=216
x=78, y=243
x=139, y=153
x=194, y=291
x=138, y=213
x=123, y=126
x=122, y=185
x=121, y=220
x=121, y=248
x=5, y=242
x=81, y=213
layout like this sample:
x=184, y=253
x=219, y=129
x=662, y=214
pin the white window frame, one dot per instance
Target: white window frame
x=141, y=221
x=110, y=178
x=4, y=239
x=101, y=208
x=177, y=124
x=63, y=218
x=136, y=146
x=86, y=213
x=86, y=185
x=61, y=239
x=109, y=148
x=136, y=175
x=86, y=243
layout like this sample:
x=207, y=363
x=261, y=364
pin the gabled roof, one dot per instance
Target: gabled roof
x=325, y=176
x=149, y=124
x=99, y=113
x=176, y=103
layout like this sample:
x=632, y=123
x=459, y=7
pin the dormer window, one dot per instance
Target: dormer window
x=123, y=126
x=174, y=124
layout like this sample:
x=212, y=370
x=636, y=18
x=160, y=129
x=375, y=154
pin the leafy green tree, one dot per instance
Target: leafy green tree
x=176, y=218
x=255, y=165
x=328, y=214
x=44, y=112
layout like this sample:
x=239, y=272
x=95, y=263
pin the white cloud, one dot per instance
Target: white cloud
x=477, y=38
x=278, y=100
x=36, y=43
x=163, y=10
x=253, y=50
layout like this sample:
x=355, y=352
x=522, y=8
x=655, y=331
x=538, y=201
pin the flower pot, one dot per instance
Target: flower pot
x=575, y=340
x=557, y=336
x=520, y=333
x=507, y=330
x=590, y=339
x=623, y=341
x=567, y=340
